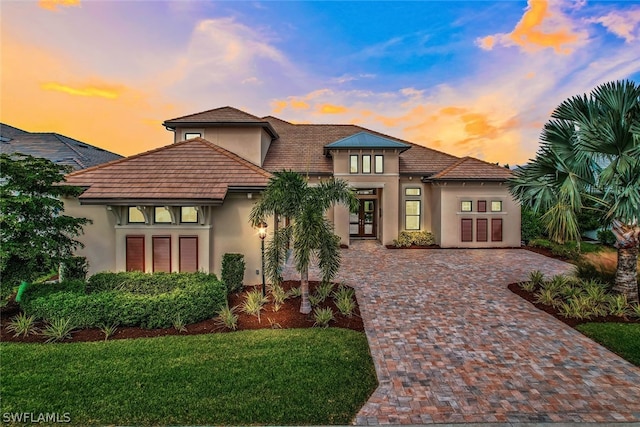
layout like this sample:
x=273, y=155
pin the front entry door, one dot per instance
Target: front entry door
x=363, y=222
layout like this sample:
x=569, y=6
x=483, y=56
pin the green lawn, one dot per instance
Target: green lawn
x=623, y=339
x=297, y=376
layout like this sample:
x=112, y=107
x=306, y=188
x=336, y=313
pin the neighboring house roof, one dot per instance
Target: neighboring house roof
x=469, y=168
x=193, y=170
x=366, y=140
x=58, y=148
x=224, y=116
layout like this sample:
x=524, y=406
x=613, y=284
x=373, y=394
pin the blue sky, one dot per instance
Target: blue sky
x=467, y=77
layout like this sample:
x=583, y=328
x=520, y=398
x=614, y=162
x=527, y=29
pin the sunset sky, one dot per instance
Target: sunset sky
x=466, y=77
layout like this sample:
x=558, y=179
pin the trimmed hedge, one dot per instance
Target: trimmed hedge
x=233, y=267
x=418, y=238
x=114, y=299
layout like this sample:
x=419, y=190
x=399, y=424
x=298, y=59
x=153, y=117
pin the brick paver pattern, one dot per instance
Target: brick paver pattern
x=451, y=343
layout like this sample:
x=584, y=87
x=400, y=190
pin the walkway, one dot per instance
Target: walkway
x=451, y=344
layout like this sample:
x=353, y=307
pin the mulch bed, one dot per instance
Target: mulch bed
x=529, y=296
x=287, y=317
x=413, y=247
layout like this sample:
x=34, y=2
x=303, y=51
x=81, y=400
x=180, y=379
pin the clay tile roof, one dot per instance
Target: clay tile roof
x=190, y=170
x=469, y=168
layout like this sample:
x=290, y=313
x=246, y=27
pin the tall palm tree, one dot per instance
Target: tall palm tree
x=590, y=151
x=288, y=194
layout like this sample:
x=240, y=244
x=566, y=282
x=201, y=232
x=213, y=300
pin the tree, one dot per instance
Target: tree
x=35, y=236
x=590, y=159
x=289, y=195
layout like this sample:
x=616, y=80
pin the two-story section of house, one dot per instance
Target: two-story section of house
x=197, y=192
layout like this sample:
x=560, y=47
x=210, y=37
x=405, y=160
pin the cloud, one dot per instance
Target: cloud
x=625, y=24
x=53, y=4
x=542, y=26
x=106, y=91
x=332, y=109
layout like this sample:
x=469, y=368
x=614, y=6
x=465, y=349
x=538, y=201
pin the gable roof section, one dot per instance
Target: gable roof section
x=194, y=170
x=58, y=148
x=224, y=116
x=366, y=140
x=469, y=168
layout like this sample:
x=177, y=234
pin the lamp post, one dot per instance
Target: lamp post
x=262, y=233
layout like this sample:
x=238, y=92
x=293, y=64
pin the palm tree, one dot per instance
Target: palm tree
x=590, y=152
x=289, y=195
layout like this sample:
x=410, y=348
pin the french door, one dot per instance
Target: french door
x=363, y=222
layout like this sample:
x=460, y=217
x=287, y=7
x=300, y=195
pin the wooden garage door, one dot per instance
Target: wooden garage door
x=162, y=253
x=188, y=253
x=135, y=253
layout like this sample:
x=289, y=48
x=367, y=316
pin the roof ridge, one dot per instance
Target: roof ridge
x=451, y=167
x=215, y=109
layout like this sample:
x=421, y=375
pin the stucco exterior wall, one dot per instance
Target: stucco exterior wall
x=250, y=143
x=451, y=196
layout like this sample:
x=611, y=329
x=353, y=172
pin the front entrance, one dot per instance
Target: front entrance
x=363, y=222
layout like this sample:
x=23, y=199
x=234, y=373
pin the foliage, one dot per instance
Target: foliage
x=322, y=316
x=116, y=299
x=278, y=295
x=227, y=318
x=618, y=305
x=232, y=275
x=74, y=268
x=606, y=237
x=178, y=324
x=243, y=378
x=35, y=235
x=108, y=330
x=254, y=303
x=531, y=224
x=623, y=339
x=22, y=325
x=344, y=300
x=324, y=290
x=536, y=277
x=635, y=310
x=288, y=194
x=589, y=158
x=586, y=270
x=417, y=238
x=295, y=292
x=58, y=329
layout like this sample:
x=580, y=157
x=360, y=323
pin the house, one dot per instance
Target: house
x=182, y=206
x=58, y=148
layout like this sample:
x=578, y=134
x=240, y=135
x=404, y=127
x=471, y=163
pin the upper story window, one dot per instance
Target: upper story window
x=366, y=163
x=188, y=214
x=496, y=206
x=412, y=191
x=353, y=163
x=191, y=135
x=161, y=215
x=379, y=163
x=135, y=216
x=466, y=206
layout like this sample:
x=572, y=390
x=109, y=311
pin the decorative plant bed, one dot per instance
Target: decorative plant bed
x=412, y=247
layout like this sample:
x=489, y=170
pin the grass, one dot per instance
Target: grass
x=621, y=338
x=286, y=377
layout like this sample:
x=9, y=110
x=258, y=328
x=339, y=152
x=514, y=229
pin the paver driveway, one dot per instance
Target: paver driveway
x=451, y=343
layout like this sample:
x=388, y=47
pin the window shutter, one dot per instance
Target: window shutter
x=467, y=230
x=481, y=229
x=135, y=253
x=162, y=254
x=188, y=254
x=482, y=206
x=496, y=229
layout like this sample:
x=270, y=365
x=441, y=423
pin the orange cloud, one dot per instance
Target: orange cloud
x=53, y=4
x=299, y=105
x=332, y=109
x=101, y=92
x=539, y=28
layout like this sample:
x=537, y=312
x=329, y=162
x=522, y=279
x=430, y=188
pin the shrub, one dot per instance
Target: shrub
x=587, y=271
x=192, y=296
x=227, y=318
x=618, y=305
x=253, y=303
x=418, y=238
x=531, y=225
x=74, y=268
x=279, y=295
x=324, y=290
x=58, y=330
x=22, y=325
x=108, y=330
x=345, y=305
x=295, y=292
x=322, y=316
x=233, y=267
x=606, y=237
x=178, y=324
x=565, y=251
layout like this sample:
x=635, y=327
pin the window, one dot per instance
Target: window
x=412, y=191
x=496, y=229
x=353, y=163
x=466, y=206
x=482, y=205
x=496, y=206
x=412, y=215
x=161, y=253
x=366, y=163
x=481, y=230
x=379, y=163
x=188, y=248
x=467, y=230
x=135, y=216
x=188, y=215
x=161, y=215
x=191, y=135
x=135, y=253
